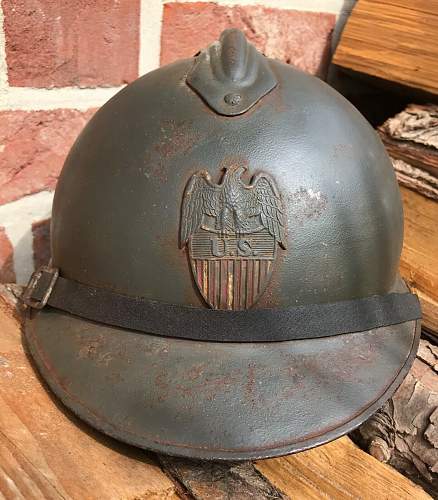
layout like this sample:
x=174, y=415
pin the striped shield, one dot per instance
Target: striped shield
x=231, y=270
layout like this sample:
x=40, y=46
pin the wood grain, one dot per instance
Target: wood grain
x=338, y=470
x=47, y=453
x=396, y=40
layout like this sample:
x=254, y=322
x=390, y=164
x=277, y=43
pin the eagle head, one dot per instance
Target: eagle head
x=235, y=171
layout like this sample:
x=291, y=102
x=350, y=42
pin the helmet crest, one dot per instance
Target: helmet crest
x=231, y=75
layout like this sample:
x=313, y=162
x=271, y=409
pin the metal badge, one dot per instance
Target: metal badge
x=232, y=230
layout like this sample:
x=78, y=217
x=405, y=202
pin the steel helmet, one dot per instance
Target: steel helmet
x=226, y=235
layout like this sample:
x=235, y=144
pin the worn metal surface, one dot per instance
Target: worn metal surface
x=116, y=222
x=119, y=196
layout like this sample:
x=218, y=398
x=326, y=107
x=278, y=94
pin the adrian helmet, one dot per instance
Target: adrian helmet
x=226, y=234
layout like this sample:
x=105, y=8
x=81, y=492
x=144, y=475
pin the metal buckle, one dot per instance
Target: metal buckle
x=33, y=283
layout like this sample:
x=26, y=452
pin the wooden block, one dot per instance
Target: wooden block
x=47, y=453
x=396, y=40
x=338, y=470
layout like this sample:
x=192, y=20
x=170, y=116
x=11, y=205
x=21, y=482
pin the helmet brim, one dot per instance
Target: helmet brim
x=213, y=400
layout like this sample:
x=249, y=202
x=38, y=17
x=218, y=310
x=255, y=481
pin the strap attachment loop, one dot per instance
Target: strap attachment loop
x=40, y=287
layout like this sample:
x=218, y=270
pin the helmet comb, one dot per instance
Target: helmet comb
x=231, y=75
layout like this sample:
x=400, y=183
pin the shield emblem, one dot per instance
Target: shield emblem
x=232, y=230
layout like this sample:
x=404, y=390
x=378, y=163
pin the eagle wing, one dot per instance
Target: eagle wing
x=262, y=198
x=200, y=197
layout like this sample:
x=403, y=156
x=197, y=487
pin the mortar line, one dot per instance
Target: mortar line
x=323, y=6
x=151, y=18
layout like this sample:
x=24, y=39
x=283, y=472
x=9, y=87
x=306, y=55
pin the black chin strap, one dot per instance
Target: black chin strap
x=252, y=325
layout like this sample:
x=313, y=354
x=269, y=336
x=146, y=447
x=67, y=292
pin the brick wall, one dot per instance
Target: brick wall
x=60, y=61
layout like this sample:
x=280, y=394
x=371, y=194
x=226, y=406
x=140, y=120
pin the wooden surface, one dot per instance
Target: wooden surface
x=45, y=452
x=337, y=470
x=396, y=40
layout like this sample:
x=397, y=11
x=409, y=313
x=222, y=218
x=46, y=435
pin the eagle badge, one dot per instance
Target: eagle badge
x=232, y=230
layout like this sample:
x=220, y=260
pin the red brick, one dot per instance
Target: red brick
x=56, y=44
x=33, y=146
x=298, y=38
x=41, y=242
x=7, y=274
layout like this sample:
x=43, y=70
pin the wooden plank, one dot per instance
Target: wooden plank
x=48, y=453
x=338, y=470
x=396, y=40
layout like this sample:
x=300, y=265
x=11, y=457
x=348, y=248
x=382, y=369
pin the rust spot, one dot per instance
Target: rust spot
x=196, y=371
x=162, y=383
x=97, y=349
x=195, y=382
x=250, y=385
x=89, y=346
x=156, y=349
x=176, y=138
x=272, y=296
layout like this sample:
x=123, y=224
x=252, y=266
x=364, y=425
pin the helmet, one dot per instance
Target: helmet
x=226, y=234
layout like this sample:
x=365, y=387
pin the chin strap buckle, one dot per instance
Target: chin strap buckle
x=40, y=287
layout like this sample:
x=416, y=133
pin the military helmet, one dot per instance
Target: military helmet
x=226, y=235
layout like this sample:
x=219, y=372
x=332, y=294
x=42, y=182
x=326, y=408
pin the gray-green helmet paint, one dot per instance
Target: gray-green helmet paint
x=121, y=220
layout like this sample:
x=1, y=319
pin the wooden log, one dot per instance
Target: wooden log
x=404, y=433
x=412, y=136
x=46, y=452
x=394, y=40
x=220, y=480
x=416, y=179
